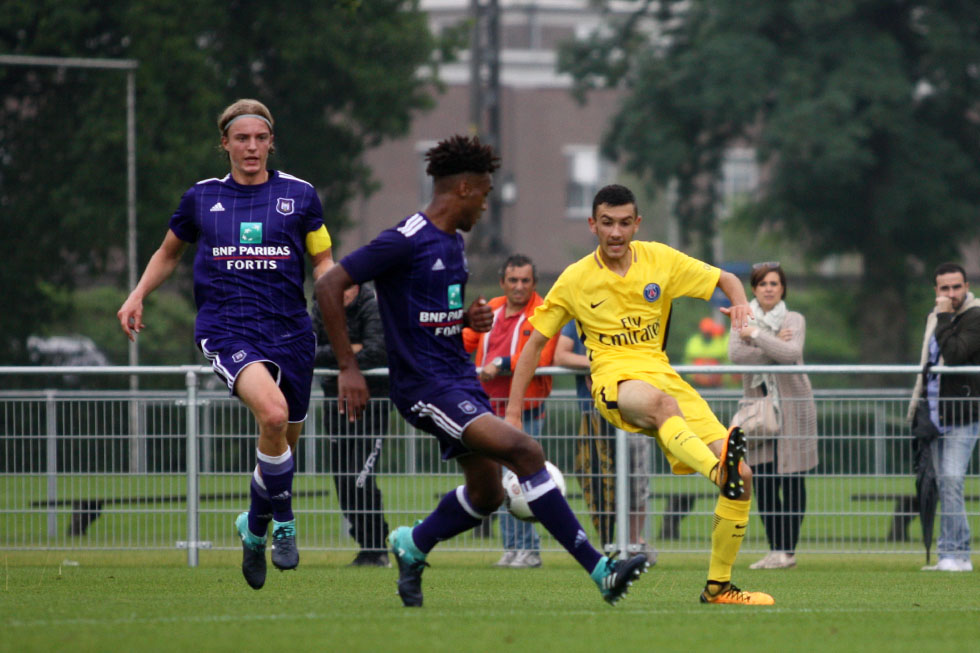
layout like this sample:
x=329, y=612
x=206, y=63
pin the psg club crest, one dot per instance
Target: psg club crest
x=284, y=205
x=651, y=292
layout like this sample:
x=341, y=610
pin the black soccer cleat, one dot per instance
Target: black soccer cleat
x=614, y=577
x=284, y=553
x=411, y=564
x=253, y=554
x=730, y=464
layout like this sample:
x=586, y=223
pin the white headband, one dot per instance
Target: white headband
x=247, y=115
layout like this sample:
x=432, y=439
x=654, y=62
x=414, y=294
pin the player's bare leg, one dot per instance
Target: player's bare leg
x=722, y=462
x=272, y=480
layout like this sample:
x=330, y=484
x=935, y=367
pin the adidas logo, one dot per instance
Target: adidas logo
x=438, y=265
x=282, y=496
x=580, y=538
x=217, y=207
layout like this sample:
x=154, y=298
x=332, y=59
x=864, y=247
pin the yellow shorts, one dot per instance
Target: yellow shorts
x=697, y=414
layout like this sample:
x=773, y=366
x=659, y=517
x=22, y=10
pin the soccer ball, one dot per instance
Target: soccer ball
x=515, y=501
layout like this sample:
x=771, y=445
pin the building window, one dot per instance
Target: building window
x=587, y=173
x=739, y=177
x=425, y=181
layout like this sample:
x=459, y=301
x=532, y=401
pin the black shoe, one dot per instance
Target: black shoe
x=253, y=554
x=284, y=553
x=411, y=564
x=730, y=464
x=371, y=559
x=614, y=577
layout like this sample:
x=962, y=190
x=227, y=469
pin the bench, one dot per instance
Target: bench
x=906, y=509
x=86, y=511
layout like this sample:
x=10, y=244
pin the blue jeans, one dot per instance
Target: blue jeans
x=951, y=455
x=516, y=534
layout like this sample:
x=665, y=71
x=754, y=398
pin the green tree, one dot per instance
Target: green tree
x=340, y=77
x=863, y=113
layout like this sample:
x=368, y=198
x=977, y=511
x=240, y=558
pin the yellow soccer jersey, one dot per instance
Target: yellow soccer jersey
x=622, y=319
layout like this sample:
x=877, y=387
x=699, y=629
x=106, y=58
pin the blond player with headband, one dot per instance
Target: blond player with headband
x=253, y=228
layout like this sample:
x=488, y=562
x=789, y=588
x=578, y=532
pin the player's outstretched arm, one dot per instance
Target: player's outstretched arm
x=523, y=374
x=740, y=311
x=352, y=392
x=161, y=266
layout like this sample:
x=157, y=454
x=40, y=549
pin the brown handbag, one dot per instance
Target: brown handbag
x=758, y=416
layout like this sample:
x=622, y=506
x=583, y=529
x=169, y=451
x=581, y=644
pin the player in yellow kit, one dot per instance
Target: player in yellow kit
x=621, y=296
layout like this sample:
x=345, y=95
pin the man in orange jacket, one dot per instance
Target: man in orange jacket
x=497, y=352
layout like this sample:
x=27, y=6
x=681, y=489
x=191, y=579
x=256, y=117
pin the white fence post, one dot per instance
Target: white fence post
x=192, y=488
x=622, y=492
x=51, y=417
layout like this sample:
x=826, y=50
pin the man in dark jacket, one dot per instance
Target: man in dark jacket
x=355, y=447
x=952, y=337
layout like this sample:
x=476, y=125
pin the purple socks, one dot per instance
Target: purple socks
x=454, y=515
x=277, y=476
x=550, y=507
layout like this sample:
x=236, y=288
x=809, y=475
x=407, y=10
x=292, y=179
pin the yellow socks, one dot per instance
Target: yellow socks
x=686, y=446
x=728, y=530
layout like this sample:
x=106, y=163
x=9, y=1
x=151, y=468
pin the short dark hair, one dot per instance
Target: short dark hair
x=518, y=261
x=458, y=154
x=947, y=268
x=759, y=273
x=614, y=195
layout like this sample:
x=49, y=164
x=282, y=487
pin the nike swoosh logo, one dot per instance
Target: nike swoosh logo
x=597, y=303
x=739, y=527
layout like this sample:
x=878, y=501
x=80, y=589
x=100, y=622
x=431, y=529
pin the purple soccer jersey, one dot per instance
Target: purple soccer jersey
x=249, y=268
x=420, y=275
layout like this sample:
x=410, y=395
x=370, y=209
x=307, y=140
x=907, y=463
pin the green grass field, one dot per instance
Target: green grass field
x=124, y=601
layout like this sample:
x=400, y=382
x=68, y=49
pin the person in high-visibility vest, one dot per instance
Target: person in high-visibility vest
x=707, y=347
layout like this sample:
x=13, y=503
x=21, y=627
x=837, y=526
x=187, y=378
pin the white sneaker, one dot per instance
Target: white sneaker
x=526, y=559
x=765, y=562
x=644, y=548
x=782, y=560
x=506, y=559
x=950, y=564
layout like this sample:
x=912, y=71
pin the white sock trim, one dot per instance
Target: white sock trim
x=257, y=477
x=537, y=492
x=275, y=460
x=461, y=497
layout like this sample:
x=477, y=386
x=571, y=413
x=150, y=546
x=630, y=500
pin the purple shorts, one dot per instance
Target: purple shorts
x=446, y=414
x=291, y=365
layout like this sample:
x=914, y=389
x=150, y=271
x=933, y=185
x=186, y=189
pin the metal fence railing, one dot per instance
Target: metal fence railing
x=158, y=469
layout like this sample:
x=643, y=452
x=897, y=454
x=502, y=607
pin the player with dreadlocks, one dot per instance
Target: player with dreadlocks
x=420, y=273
